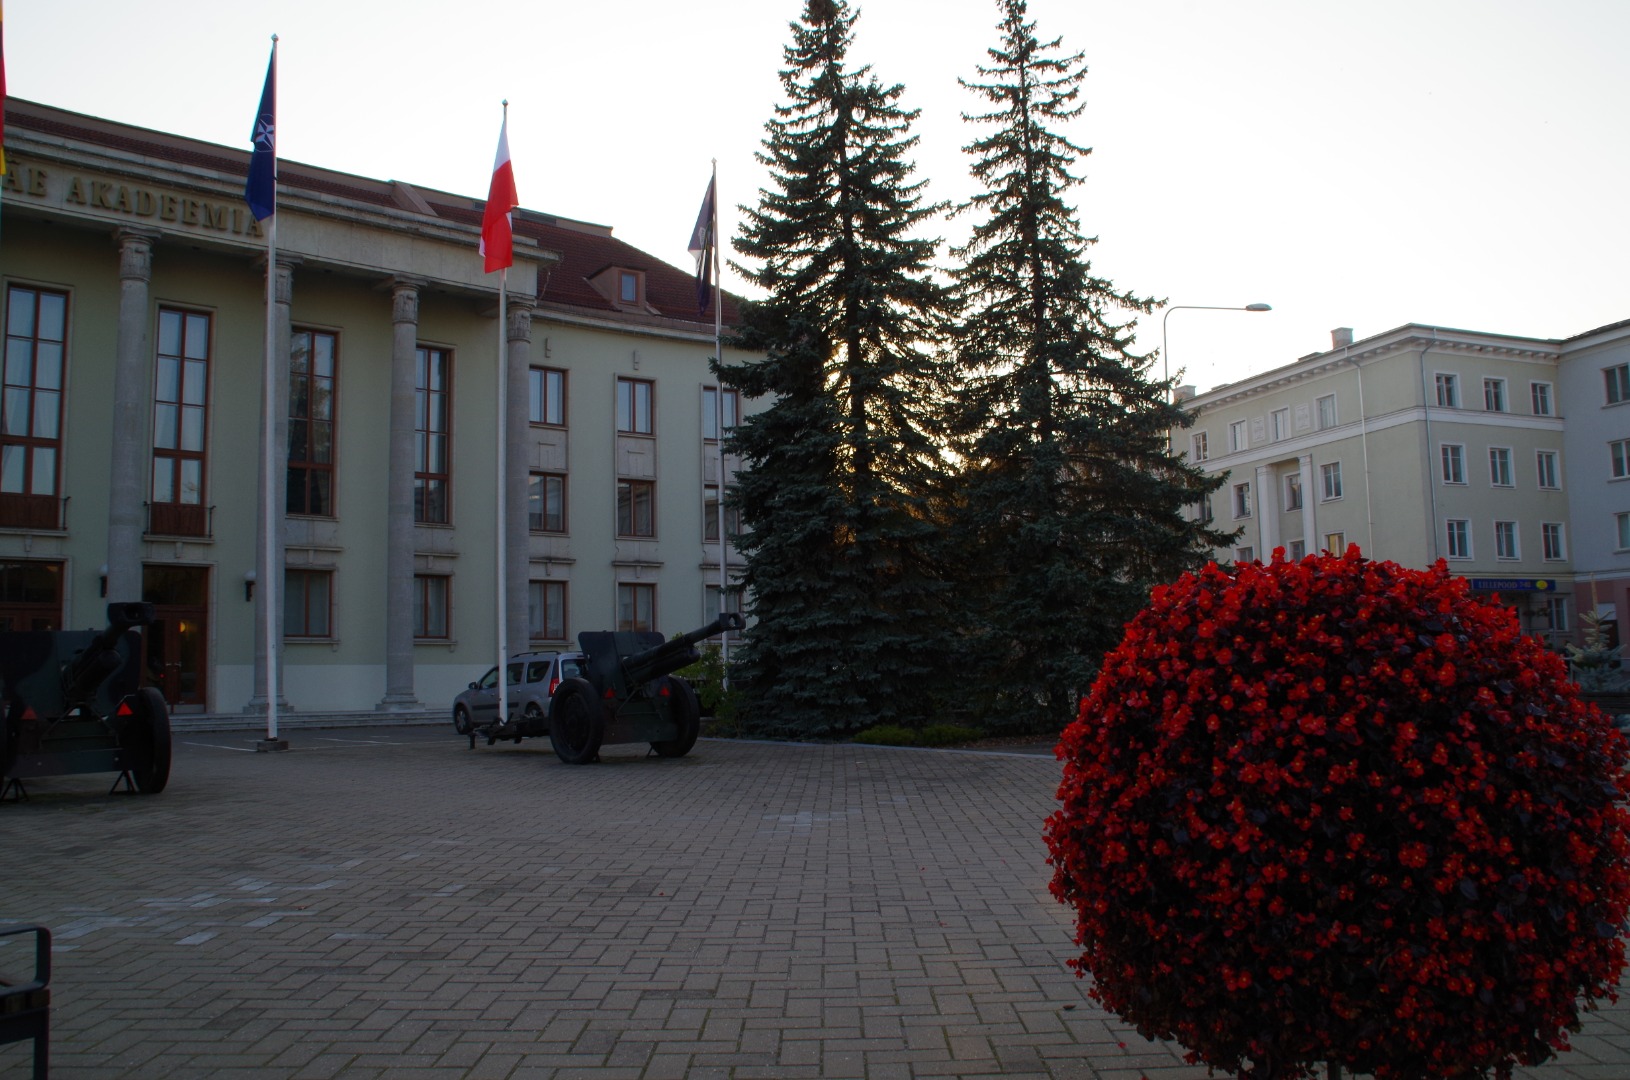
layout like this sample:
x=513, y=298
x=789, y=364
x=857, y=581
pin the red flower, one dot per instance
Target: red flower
x=1337, y=810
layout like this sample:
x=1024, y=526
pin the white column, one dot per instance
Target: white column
x=132, y=394
x=399, y=530
x=1267, y=511
x=1310, y=536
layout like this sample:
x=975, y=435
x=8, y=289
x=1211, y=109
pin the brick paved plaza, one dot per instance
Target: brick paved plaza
x=389, y=903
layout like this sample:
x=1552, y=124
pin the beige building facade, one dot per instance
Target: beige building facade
x=1492, y=452
x=131, y=453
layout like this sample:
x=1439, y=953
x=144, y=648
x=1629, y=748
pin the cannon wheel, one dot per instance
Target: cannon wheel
x=575, y=723
x=687, y=717
x=149, y=732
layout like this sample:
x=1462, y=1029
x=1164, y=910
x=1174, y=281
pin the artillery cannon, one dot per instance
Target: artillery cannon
x=72, y=705
x=629, y=693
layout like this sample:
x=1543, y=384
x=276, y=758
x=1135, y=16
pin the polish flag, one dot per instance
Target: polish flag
x=497, y=238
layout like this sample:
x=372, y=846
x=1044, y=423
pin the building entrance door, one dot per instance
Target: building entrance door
x=175, y=646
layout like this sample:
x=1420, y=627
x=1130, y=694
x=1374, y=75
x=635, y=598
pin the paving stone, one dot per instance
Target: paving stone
x=750, y=911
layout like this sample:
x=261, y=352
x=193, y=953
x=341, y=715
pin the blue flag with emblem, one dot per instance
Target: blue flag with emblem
x=260, y=192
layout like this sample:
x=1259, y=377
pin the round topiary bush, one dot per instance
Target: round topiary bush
x=1341, y=811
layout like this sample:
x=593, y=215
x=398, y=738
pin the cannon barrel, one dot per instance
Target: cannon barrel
x=670, y=656
x=91, y=666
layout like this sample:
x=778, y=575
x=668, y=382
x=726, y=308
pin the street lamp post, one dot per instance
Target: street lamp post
x=1165, y=360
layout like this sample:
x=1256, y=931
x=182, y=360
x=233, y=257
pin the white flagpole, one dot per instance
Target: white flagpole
x=503, y=486
x=269, y=587
x=718, y=404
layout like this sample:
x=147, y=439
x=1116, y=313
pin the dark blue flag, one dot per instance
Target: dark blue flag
x=701, y=245
x=260, y=192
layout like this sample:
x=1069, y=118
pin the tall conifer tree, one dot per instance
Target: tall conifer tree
x=838, y=467
x=1071, y=494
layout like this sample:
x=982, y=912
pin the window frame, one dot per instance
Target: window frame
x=423, y=587
x=1334, y=417
x=1239, y=436
x=1622, y=521
x=1335, y=543
x=1447, y=388
x=628, y=507
x=1500, y=467
x=1457, y=529
x=1548, y=470
x=629, y=595
x=425, y=395
x=23, y=607
x=1495, y=398
x=1616, y=381
x=1539, y=393
x=1200, y=445
x=710, y=515
x=538, y=626
x=1553, y=539
x=1330, y=492
x=311, y=471
x=732, y=412
x=629, y=394
x=1618, y=459
x=178, y=457
x=1507, y=541
x=306, y=575
x=1454, y=453
x=546, y=396
x=1279, y=425
x=1292, y=488
x=29, y=441
x=1242, y=500
x=539, y=522
x=1245, y=553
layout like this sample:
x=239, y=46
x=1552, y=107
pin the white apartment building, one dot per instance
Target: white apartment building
x=1507, y=457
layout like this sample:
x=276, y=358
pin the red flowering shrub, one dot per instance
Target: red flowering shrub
x=1339, y=810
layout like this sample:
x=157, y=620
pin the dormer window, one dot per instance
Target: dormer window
x=623, y=289
x=628, y=287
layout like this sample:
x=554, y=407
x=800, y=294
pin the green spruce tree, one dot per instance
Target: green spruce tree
x=836, y=471
x=1071, y=495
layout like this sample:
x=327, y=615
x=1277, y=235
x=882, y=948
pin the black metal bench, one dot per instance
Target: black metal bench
x=25, y=1007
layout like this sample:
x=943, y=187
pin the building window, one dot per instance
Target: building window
x=636, y=508
x=1200, y=450
x=433, y=450
x=1327, y=411
x=1245, y=554
x=1202, y=511
x=628, y=287
x=30, y=595
x=1293, y=491
x=1279, y=423
x=1494, y=395
x=710, y=516
x=634, y=406
x=1545, y=466
x=1237, y=438
x=1330, y=477
x=1505, y=540
x=1551, y=541
x=546, y=610
x=546, y=503
x=313, y=356
x=1448, y=390
x=431, y=593
x=710, y=602
x=1539, y=393
x=710, y=411
x=1500, y=466
x=1557, y=624
x=308, y=603
x=31, y=419
x=1619, y=453
x=636, y=607
x=1458, y=535
x=546, y=396
x=1621, y=523
x=1454, y=463
x=1296, y=551
x=1242, y=500
x=180, y=419
x=1335, y=543
x=1618, y=383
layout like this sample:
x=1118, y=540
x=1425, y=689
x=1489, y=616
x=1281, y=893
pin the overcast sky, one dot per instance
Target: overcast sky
x=1365, y=163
